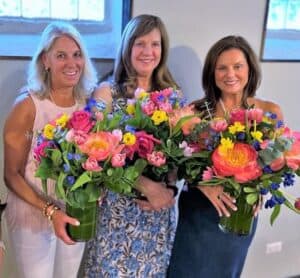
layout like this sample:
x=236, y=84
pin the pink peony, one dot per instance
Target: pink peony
x=118, y=160
x=156, y=158
x=239, y=162
x=76, y=136
x=101, y=145
x=81, y=120
x=91, y=164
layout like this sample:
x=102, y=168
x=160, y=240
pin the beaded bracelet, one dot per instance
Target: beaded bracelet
x=51, y=212
x=45, y=208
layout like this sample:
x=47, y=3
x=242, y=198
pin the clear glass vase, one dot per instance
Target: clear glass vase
x=88, y=222
x=240, y=222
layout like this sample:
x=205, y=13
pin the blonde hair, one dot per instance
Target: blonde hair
x=38, y=77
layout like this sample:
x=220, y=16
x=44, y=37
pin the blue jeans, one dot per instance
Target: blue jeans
x=201, y=249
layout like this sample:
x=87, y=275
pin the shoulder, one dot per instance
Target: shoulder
x=23, y=109
x=268, y=106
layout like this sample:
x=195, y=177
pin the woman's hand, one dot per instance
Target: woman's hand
x=221, y=200
x=158, y=196
x=60, y=221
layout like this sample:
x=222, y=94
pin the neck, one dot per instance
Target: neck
x=229, y=106
x=144, y=83
x=64, y=98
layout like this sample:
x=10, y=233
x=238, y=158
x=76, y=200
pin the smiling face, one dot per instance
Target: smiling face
x=65, y=61
x=146, y=53
x=231, y=72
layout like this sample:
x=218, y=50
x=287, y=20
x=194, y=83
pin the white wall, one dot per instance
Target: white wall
x=193, y=26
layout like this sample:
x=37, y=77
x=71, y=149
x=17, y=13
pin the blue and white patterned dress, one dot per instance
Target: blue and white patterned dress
x=130, y=242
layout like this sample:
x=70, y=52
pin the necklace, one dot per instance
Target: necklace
x=225, y=110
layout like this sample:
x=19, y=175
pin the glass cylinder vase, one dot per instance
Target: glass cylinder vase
x=240, y=221
x=88, y=222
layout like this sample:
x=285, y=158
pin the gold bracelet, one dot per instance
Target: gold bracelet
x=45, y=208
x=51, y=212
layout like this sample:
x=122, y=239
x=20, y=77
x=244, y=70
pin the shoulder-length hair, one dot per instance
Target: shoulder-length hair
x=124, y=73
x=38, y=77
x=211, y=91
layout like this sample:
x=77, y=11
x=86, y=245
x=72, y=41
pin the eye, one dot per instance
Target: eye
x=238, y=66
x=156, y=44
x=61, y=56
x=138, y=43
x=78, y=54
x=221, y=68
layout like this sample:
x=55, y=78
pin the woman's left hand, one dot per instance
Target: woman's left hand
x=221, y=200
x=157, y=194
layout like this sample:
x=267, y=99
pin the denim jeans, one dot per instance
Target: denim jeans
x=201, y=249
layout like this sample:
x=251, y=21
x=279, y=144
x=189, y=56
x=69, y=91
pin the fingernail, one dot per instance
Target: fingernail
x=233, y=200
x=77, y=223
x=227, y=214
x=234, y=208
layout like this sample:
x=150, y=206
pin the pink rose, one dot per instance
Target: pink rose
x=81, y=120
x=145, y=143
x=118, y=160
x=91, y=164
x=207, y=174
x=156, y=158
x=39, y=151
x=165, y=106
x=238, y=115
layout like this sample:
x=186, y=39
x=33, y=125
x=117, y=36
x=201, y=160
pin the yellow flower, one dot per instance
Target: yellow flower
x=62, y=121
x=226, y=144
x=129, y=139
x=159, y=116
x=257, y=135
x=237, y=127
x=143, y=95
x=48, y=131
x=130, y=109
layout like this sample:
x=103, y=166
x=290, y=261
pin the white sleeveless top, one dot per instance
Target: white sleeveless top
x=20, y=214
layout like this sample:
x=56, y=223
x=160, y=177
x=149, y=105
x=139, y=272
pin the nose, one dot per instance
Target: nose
x=147, y=49
x=230, y=72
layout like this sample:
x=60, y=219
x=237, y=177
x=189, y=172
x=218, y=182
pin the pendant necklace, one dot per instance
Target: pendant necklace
x=226, y=113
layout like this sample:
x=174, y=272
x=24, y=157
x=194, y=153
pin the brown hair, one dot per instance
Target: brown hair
x=211, y=91
x=124, y=73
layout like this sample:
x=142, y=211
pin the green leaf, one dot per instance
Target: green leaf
x=81, y=180
x=59, y=185
x=275, y=213
x=252, y=198
x=250, y=189
x=56, y=157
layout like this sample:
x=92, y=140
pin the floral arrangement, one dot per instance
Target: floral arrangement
x=94, y=148
x=155, y=125
x=251, y=154
x=82, y=153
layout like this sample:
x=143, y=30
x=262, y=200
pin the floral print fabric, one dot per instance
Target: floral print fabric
x=130, y=242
